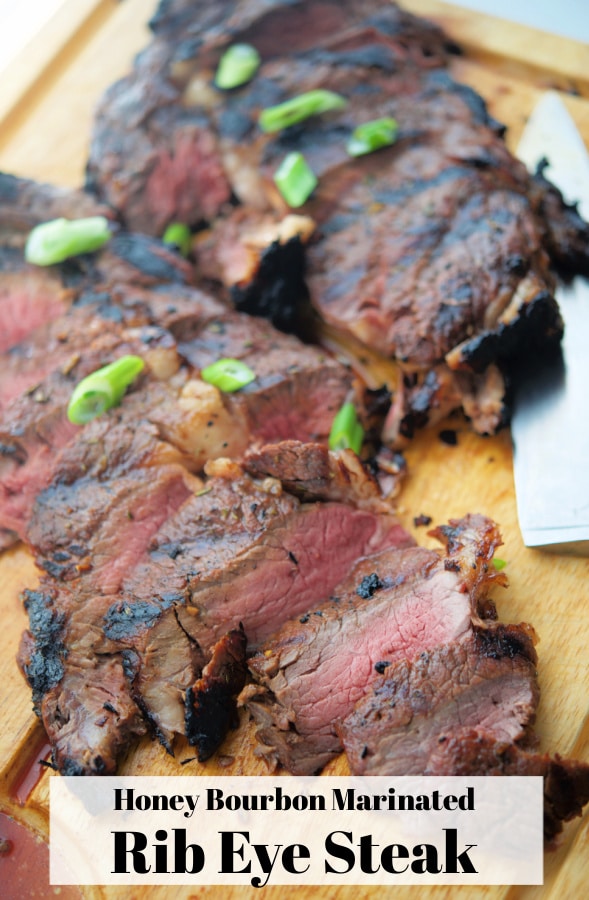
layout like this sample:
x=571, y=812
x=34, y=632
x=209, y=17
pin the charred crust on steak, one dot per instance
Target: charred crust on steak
x=509, y=641
x=124, y=620
x=43, y=651
x=210, y=706
x=369, y=585
x=278, y=291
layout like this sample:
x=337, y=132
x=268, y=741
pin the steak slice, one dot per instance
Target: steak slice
x=393, y=606
x=484, y=680
x=298, y=387
x=464, y=708
x=25, y=203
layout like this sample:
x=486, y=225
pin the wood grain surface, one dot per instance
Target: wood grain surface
x=46, y=108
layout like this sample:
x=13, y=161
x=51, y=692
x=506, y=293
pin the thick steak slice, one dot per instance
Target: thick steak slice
x=486, y=679
x=393, y=606
x=25, y=203
x=307, y=24
x=250, y=552
x=31, y=296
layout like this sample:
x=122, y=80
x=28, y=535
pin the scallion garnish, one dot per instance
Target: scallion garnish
x=103, y=389
x=295, y=179
x=54, y=241
x=237, y=66
x=499, y=563
x=178, y=236
x=372, y=136
x=275, y=118
x=346, y=431
x=228, y=374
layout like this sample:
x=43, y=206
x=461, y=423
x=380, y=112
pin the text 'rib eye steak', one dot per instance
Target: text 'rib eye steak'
x=392, y=606
x=159, y=568
x=435, y=252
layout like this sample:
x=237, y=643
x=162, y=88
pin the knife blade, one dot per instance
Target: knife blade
x=550, y=424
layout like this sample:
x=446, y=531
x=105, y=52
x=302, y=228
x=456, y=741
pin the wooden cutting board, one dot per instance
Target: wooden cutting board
x=46, y=103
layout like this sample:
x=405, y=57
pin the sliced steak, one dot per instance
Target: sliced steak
x=149, y=567
x=306, y=23
x=435, y=252
x=255, y=554
x=89, y=720
x=298, y=388
x=393, y=606
x=296, y=392
x=486, y=679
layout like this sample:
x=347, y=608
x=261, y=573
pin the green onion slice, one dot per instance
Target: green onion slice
x=237, y=66
x=346, y=431
x=372, y=136
x=295, y=179
x=54, y=241
x=499, y=563
x=228, y=374
x=178, y=236
x=103, y=389
x=275, y=118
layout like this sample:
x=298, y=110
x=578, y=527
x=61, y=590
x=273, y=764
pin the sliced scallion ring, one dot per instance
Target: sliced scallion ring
x=346, y=431
x=297, y=109
x=52, y=242
x=103, y=389
x=372, y=136
x=228, y=375
x=237, y=66
x=178, y=236
x=295, y=179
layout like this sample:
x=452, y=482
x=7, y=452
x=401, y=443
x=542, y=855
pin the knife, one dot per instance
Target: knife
x=550, y=424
